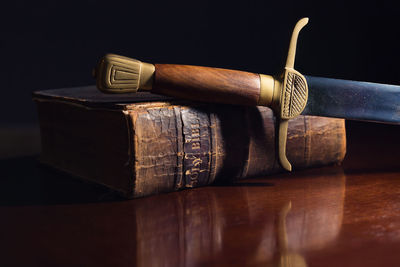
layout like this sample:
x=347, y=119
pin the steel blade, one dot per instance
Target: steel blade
x=353, y=100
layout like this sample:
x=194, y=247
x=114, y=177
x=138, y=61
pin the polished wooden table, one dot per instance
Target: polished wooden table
x=345, y=215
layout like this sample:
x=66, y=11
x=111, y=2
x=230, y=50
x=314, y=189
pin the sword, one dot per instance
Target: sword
x=288, y=94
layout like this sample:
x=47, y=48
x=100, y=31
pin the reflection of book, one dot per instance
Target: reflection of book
x=257, y=230
x=155, y=144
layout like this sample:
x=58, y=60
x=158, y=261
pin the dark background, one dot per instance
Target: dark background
x=54, y=44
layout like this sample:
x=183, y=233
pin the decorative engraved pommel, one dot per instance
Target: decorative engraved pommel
x=118, y=74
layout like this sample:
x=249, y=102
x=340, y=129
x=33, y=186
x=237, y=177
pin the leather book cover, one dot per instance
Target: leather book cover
x=144, y=144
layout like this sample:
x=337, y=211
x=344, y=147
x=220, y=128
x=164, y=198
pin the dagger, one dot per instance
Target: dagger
x=288, y=94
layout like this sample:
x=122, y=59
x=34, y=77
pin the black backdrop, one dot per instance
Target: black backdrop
x=53, y=44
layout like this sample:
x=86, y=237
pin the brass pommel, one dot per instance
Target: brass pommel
x=118, y=74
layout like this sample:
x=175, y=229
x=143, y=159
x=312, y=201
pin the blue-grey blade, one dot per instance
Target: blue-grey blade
x=353, y=100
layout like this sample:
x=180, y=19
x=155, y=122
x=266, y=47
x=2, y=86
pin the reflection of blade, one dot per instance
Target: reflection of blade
x=353, y=100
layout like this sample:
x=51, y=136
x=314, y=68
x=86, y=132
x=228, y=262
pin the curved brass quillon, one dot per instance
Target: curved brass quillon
x=286, y=95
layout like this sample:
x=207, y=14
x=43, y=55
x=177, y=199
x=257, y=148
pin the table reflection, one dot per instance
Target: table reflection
x=282, y=219
x=64, y=222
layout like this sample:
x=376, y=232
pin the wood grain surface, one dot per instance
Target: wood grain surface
x=337, y=216
x=207, y=84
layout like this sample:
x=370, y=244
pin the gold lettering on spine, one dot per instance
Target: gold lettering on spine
x=196, y=162
x=194, y=138
x=196, y=146
x=194, y=171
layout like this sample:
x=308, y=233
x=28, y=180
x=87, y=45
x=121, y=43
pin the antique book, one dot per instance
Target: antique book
x=144, y=144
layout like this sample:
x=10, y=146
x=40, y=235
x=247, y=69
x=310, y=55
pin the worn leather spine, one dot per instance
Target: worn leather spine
x=146, y=148
x=180, y=146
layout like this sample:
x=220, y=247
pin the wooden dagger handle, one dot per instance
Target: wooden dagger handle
x=207, y=84
x=286, y=95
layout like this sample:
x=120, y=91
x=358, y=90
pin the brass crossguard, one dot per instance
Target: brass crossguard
x=294, y=94
x=286, y=94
